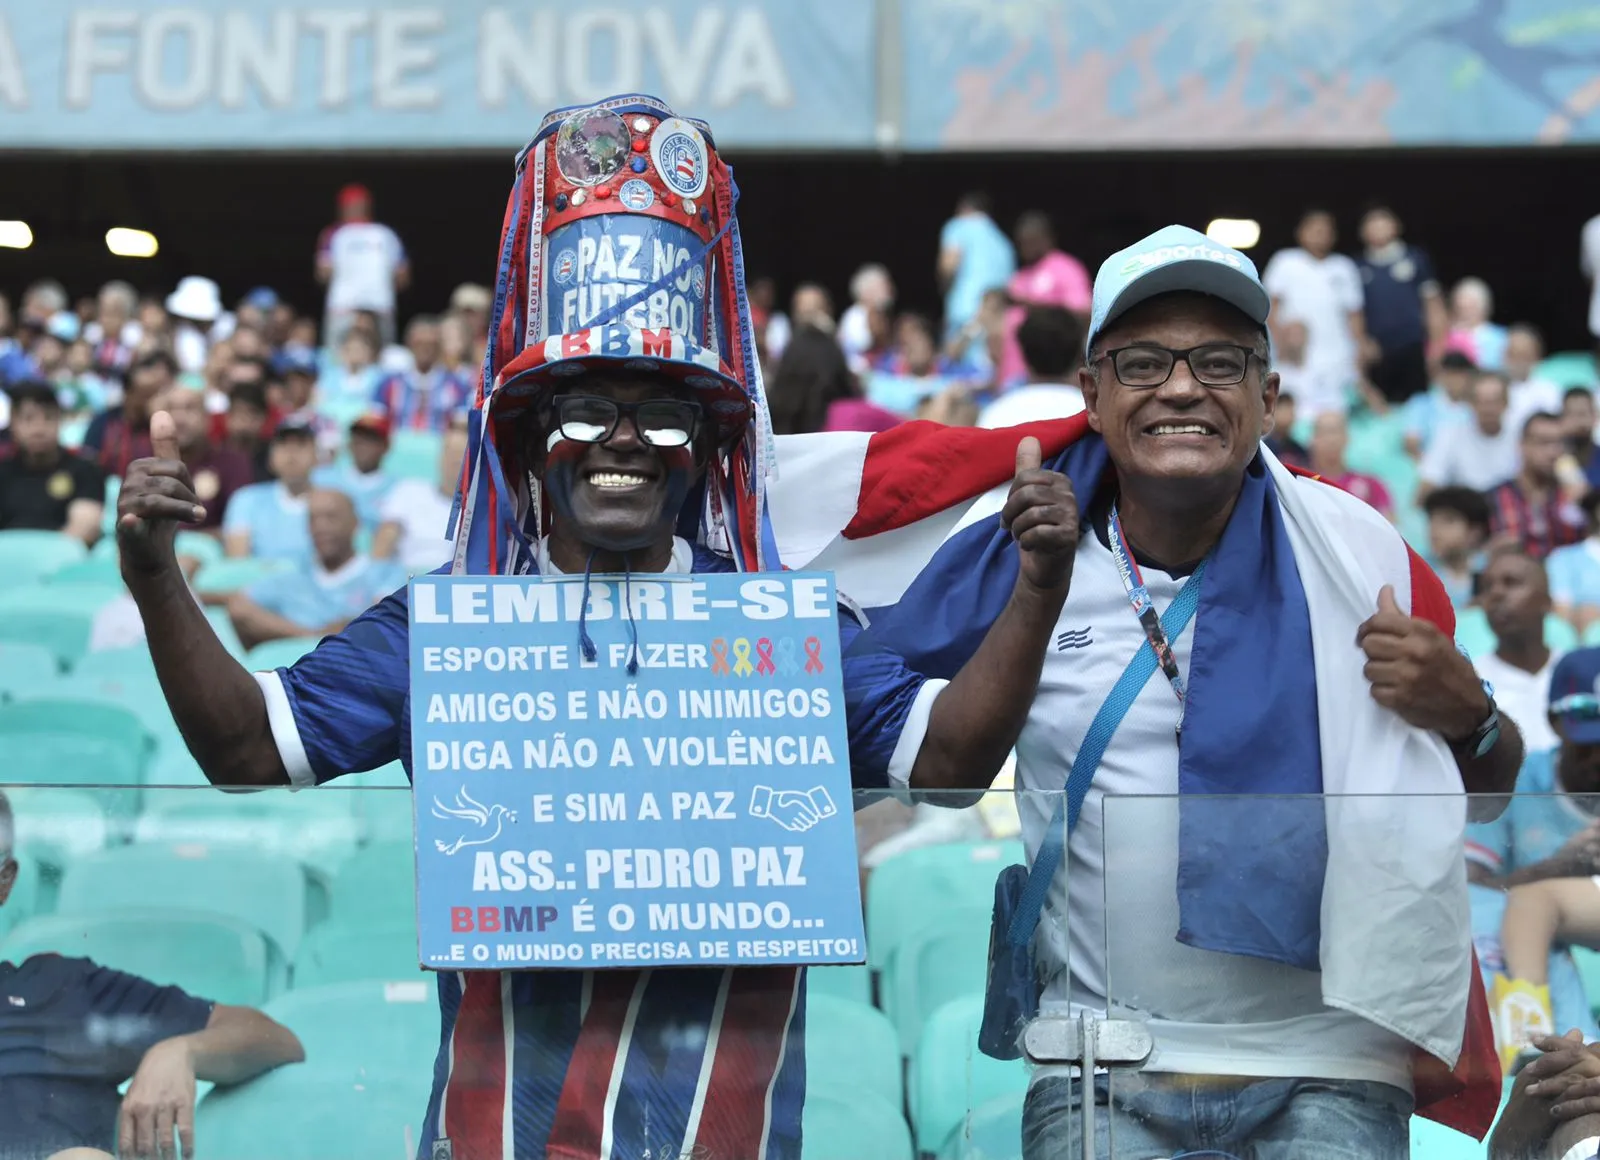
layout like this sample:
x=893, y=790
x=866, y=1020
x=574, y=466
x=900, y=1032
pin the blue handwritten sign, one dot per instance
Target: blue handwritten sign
x=573, y=814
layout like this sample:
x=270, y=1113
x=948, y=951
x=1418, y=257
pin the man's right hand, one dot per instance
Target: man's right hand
x=1582, y=850
x=157, y=495
x=1041, y=513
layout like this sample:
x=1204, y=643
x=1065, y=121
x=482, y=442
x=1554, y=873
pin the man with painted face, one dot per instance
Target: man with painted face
x=602, y=429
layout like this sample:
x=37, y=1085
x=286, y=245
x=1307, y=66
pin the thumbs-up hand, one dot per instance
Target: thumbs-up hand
x=157, y=495
x=1041, y=513
x=1417, y=671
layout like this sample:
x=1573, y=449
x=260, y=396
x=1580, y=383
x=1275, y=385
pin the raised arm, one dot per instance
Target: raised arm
x=217, y=704
x=975, y=720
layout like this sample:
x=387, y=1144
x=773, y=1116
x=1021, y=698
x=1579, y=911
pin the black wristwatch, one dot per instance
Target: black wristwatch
x=1483, y=738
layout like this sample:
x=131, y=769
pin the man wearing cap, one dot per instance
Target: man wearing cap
x=268, y=520
x=1546, y=841
x=629, y=408
x=1305, y=984
x=363, y=265
x=363, y=478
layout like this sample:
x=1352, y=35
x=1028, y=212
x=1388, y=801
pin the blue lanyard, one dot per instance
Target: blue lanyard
x=1144, y=607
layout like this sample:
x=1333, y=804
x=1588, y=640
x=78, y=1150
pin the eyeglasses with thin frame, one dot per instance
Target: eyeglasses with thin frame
x=594, y=419
x=1213, y=364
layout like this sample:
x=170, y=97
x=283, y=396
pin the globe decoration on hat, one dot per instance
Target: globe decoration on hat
x=620, y=250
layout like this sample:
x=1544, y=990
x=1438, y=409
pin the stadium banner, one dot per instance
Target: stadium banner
x=571, y=815
x=262, y=74
x=1034, y=75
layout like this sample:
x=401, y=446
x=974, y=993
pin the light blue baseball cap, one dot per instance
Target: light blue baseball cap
x=1174, y=258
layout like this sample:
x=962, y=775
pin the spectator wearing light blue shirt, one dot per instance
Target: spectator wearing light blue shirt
x=975, y=256
x=326, y=591
x=1444, y=403
x=362, y=478
x=1575, y=572
x=268, y=520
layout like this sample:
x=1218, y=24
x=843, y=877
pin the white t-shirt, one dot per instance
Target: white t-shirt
x=1529, y=398
x=423, y=513
x=1524, y=697
x=364, y=257
x=1034, y=401
x=1590, y=256
x=1322, y=293
x=1462, y=454
x=1220, y=1014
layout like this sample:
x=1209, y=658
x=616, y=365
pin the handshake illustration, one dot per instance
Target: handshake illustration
x=795, y=810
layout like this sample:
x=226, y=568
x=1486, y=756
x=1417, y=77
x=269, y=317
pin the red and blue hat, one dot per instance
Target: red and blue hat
x=620, y=249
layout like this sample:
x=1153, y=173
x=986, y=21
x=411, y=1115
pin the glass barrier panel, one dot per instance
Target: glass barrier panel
x=302, y=905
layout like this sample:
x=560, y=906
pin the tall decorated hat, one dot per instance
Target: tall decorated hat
x=620, y=249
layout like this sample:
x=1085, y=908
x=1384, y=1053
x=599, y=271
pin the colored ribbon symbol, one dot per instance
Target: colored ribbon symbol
x=765, y=667
x=788, y=657
x=719, y=657
x=741, y=658
x=814, y=655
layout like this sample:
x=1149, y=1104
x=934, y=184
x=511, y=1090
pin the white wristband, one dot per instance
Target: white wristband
x=1586, y=1149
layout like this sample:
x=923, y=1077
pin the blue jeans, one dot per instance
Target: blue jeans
x=1156, y=1116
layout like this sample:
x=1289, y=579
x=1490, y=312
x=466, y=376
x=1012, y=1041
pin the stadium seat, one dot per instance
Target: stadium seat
x=131, y=664
x=932, y=968
x=57, y=617
x=1589, y=971
x=90, y=570
x=911, y=892
x=377, y=887
x=950, y=1077
x=24, y=666
x=1559, y=635
x=1569, y=368
x=276, y=654
x=383, y=803
x=1431, y=1141
x=852, y=1045
x=361, y=1028
x=991, y=1132
x=229, y=575
x=131, y=692
x=50, y=741
x=222, y=625
x=841, y=1122
x=267, y=891
x=297, y=1113
x=853, y=983
x=413, y=455
x=58, y=825
x=206, y=954
x=26, y=556
x=1474, y=634
x=205, y=548
x=335, y=953
x=318, y=830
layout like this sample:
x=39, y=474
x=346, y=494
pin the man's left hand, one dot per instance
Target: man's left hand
x=1417, y=671
x=159, y=1105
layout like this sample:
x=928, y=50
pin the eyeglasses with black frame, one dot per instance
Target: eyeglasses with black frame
x=595, y=418
x=1213, y=364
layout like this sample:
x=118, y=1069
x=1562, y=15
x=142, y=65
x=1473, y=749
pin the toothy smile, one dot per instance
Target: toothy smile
x=617, y=479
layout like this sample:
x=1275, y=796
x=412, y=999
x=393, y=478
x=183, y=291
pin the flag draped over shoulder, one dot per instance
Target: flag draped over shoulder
x=1370, y=888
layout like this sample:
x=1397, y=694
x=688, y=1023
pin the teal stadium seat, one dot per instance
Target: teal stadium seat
x=207, y=955
x=296, y=1114
x=1474, y=634
x=933, y=968
x=413, y=455
x=852, y=1045
x=912, y=891
x=840, y=1122
x=992, y=1132
x=132, y=664
x=230, y=575
x=78, y=743
x=25, y=666
x=950, y=1077
x=27, y=556
x=59, y=617
x=206, y=549
x=264, y=890
x=91, y=570
x=853, y=983
x=58, y=825
x=1569, y=368
x=383, y=802
x=319, y=830
x=222, y=625
x=377, y=887
x=1589, y=970
x=333, y=953
x=361, y=1029
x=279, y=654
x=138, y=693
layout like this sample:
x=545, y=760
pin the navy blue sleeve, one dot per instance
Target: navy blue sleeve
x=349, y=695
x=131, y=1015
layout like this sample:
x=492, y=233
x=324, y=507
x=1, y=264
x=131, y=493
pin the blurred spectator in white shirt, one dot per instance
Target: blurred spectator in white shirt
x=1589, y=260
x=1322, y=289
x=195, y=305
x=872, y=289
x=1051, y=340
x=363, y=264
x=415, y=516
x=326, y=591
x=1480, y=453
x=1516, y=599
x=1529, y=395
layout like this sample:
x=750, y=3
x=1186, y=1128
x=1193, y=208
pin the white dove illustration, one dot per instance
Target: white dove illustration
x=468, y=810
